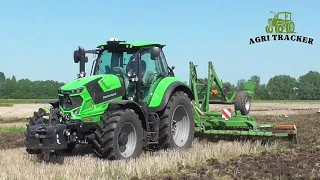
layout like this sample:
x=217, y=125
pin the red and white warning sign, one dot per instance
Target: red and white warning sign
x=226, y=113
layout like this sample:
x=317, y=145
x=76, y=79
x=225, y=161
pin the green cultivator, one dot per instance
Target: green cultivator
x=227, y=123
x=132, y=101
x=222, y=94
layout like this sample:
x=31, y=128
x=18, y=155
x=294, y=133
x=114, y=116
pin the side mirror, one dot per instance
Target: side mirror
x=79, y=55
x=155, y=52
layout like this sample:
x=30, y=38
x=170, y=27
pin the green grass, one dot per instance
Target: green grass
x=12, y=129
x=24, y=101
x=6, y=104
x=12, y=120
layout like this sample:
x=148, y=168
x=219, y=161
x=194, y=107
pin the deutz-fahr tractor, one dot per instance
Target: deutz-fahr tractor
x=132, y=102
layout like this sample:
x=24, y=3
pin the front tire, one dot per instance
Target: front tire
x=119, y=135
x=177, y=123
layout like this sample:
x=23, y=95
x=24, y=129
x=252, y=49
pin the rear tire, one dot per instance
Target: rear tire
x=177, y=123
x=242, y=102
x=112, y=130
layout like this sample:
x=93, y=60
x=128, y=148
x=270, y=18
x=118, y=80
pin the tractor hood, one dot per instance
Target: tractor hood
x=78, y=83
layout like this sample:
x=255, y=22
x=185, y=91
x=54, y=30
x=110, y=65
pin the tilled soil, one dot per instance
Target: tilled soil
x=11, y=140
x=308, y=126
x=281, y=164
x=286, y=162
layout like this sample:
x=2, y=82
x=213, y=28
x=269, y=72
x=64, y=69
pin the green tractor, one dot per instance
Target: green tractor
x=281, y=23
x=132, y=102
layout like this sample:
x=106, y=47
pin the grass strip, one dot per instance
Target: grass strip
x=6, y=104
x=24, y=101
x=13, y=129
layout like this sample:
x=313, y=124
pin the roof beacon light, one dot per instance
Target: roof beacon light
x=113, y=39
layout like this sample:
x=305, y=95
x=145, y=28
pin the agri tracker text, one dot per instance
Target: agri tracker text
x=132, y=101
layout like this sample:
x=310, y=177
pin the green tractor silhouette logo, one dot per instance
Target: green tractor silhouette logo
x=280, y=23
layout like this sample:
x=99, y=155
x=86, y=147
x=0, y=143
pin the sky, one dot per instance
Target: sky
x=38, y=37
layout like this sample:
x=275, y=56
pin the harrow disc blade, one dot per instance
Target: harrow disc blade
x=265, y=133
x=289, y=129
x=285, y=127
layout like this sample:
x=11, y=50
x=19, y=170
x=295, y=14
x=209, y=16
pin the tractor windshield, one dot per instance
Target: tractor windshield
x=113, y=62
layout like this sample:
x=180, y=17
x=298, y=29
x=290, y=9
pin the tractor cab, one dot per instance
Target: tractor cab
x=140, y=64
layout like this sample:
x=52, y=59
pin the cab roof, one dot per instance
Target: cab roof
x=133, y=43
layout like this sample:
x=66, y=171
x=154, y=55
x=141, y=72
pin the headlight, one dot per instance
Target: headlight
x=74, y=91
x=77, y=91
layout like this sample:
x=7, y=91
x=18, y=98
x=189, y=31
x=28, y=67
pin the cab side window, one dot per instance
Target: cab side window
x=163, y=63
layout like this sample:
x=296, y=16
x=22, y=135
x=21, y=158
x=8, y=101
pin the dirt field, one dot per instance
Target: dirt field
x=283, y=162
x=223, y=160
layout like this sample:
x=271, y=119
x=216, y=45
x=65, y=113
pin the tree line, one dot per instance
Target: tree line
x=279, y=87
x=284, y=87
x=11, y=88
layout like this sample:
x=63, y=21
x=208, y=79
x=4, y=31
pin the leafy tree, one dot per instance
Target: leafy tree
x=256, y=80
x=282, y=87
x=11, y=88
x=240, y=84
x=309, y=86
x=262, y=93
x=2, y=83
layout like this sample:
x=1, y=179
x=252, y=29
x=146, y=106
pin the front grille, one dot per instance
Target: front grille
x=70, y=102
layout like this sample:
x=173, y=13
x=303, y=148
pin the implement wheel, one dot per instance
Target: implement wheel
x=177, y=123
x=242, y=102
x=119, y=135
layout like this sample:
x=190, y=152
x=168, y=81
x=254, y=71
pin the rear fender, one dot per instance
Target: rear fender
x=164, y=90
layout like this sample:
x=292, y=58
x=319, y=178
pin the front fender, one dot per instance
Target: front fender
x=164, y=90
